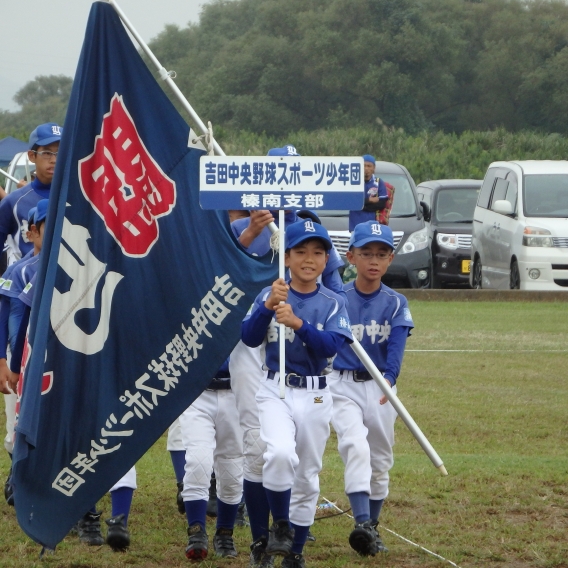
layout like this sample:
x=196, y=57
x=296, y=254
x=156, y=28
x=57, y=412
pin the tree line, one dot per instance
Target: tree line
x=266, y=66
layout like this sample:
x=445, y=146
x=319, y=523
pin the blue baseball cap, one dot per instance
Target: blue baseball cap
x=301, y=231
x=369, y=158
x=287, y=150
x=371, y=232
x=41, y=211
x=31, y=214
x=45, y=134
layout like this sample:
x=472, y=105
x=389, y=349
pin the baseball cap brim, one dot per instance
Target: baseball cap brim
x=48, y=141
x=375, y=239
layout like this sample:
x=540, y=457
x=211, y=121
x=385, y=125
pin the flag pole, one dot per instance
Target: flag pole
x=4, y=173
x=359, y=351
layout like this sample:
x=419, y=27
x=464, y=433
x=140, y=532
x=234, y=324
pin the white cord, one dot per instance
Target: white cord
x=397, y=535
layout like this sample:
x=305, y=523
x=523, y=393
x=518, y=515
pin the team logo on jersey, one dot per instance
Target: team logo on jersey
x=343, y=323
x=318, y=399
x=309, y=226
x=407, y=315
x=124, y=184
x=376, y=229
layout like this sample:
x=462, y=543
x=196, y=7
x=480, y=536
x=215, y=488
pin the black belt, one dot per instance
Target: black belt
x=358, y=376
x=219, y=384
x=298, y=381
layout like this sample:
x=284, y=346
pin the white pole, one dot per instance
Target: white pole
x=282, y=327
x=398, y=406
x=9, y=176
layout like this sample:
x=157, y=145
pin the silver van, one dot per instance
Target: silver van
x=520, y=227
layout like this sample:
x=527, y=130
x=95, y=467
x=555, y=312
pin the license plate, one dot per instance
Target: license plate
x=466, y=266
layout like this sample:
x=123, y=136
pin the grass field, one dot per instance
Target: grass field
x=493, y=405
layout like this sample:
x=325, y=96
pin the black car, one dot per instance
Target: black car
x=451, y=203
x=411, y=265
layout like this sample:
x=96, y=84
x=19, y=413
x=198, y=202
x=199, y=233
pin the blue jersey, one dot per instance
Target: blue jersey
x=14, y=209
x=322, y=309
x=21, y=275
x=6, y=281
x=374, y=187
x=373, y=318
x=261, y=245
x=27, y=294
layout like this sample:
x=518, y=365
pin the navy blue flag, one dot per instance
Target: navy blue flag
x=139, y=296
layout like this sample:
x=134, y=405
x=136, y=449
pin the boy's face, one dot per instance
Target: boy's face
x=369, y=169
x=36, y=235
x=372, y=261
x=45, y=164
x=307, y=261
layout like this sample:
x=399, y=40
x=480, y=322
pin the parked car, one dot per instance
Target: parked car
x=412, y=262
x=520, y=227
x=19, y=167
x=451, y=203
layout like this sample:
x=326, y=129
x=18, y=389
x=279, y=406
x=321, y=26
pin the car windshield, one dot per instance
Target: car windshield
x=404, y=204
x=455, y=205
x=545, y=195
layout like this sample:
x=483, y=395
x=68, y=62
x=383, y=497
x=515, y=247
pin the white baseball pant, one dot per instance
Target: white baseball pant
x=245, y=368
x=213, y=439
x=127, y=480
x=295, y=430
x=175, y=441
x=365, y=433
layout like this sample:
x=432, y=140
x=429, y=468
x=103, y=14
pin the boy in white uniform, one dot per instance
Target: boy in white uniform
x=295, y=429
x=362, y=416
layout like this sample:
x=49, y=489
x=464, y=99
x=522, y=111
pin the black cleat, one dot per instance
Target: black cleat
x=280, y=538
x=179, y=498
x=293, y=561
x=89, y=529
x=258, y=556
x=380, y=546
x=118, y=537
x=311, y=536
x=363, y=539
x=224, y=544
x=197, y=544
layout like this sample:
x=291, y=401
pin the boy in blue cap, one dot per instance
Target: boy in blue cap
x=362, y=416
x=376, y=195
x=295, y=429
x=246, y=373
x=14, y=208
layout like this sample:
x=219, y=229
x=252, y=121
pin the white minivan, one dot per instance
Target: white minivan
x=520, y=227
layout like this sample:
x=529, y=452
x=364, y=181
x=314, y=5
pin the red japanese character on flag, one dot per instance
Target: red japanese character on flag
x=124, y=184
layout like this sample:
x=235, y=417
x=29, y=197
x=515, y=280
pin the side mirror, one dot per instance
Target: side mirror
x=503, y=207
x=426, y=211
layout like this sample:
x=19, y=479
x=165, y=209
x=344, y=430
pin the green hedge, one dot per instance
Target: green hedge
x=427, y=155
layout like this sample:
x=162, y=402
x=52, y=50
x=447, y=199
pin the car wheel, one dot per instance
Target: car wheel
x=515, y=277
x=476, y=279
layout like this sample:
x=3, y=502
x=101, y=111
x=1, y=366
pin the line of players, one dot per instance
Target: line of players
x=261, y=447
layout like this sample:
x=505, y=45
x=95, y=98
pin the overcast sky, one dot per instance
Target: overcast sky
x=44, y=37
